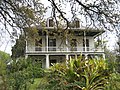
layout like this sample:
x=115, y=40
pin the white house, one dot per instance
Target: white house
x=54, y=48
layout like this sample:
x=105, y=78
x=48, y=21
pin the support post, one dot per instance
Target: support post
x=85, y=41
x=67, y=58
x=67, y=44
x=47, y=42
x=47, y=61
x=86, y=56
x=103, y=56
x=102, y=46
x=26, y=56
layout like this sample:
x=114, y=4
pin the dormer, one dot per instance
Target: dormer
x=50, y=22
x=76, y=23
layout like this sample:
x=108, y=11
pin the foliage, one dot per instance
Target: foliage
x=4, y=57
x=118, y=63
x=21, y=73
x=36, y=83
x=118, y=52
x=114, y=82
x=79, y=74
x=18, y=50
x=111, y=60
x=18, y=14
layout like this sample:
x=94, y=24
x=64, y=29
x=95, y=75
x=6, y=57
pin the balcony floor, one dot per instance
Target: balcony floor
x=63, y=52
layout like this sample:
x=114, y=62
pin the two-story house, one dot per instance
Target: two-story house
x=54, y=48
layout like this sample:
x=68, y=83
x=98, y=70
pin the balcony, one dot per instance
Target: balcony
x=55, y=50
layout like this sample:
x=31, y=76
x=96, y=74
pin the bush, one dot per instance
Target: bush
x=79, y=74
x=22, y=73
x=114, y=82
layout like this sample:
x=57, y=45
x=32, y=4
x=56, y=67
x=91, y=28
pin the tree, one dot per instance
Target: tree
x=18, y=50
x=96, y=13
x=118, y=52
x=4, y=57
x=17, y=14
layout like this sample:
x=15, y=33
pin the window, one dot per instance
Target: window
x=52, y=44
x=87, y=44
x=73, y=45
x=50, y=22
x=38, y=45
x=77, y=24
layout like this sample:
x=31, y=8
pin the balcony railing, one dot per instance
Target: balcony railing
x=63, y=49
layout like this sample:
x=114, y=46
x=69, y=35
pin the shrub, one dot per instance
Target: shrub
x=22, y=73
x=79, y=74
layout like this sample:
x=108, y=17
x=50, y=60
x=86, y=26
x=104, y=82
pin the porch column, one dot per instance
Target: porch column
x=67, y=58
x=47, y=42
x=47, y=61
x=103, y=56
x=66, y=44
x=26, y=49
x=86, y=56
x=102, y=46
x=85, y=41
x=26, y=56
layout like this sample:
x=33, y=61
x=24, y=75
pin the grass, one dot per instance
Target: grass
x=35, y=84
x=39, y=84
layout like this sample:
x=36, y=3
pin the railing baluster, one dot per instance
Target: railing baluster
x=63, y=49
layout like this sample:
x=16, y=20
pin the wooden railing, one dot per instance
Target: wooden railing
x=63, y=49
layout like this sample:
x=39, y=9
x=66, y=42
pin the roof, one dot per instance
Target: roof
x=78, y=31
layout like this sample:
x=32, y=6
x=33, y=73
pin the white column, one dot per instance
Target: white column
x=66, y=44
x=26, y=49
x=76, y=56
x=26, y=46
x=47, y=61
x=86, y=56
x=104, y=56
x=85, y=40
x=102, y=46
x=67, y=56
x=47, y=42
x=26, y=56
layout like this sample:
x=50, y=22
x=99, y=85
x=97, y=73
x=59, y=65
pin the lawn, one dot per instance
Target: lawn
x=38, y=83
x=35, y=84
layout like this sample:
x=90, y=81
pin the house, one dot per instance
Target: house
x=54, y=48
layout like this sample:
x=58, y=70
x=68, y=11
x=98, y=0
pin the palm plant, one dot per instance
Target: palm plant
x=79, y=74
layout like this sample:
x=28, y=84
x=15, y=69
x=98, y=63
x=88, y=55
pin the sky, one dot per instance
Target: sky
x=6, y=42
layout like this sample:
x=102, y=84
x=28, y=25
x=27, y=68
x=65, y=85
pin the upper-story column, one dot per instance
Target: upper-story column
x=47, y=42
x=85, y=41
x=67, y=44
